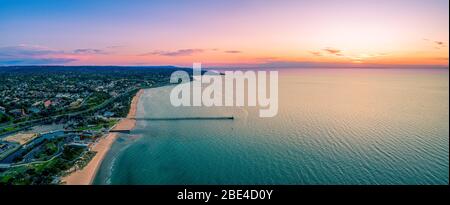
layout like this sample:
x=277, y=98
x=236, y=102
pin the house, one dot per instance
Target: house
x=47, y=103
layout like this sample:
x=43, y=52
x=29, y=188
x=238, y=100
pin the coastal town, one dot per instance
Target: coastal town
x=54, y=118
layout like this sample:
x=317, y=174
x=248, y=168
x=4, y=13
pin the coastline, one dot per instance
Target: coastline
x=87, y=175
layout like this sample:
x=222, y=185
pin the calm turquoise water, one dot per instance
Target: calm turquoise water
x=345, y=126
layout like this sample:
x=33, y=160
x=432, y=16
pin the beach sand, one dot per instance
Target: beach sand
x=86, y=175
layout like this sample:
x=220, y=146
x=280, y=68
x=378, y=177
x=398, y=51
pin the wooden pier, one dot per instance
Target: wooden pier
x=120, y=131
x=182, y=118
x=124, y=129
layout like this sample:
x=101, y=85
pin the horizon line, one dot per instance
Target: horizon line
x=340, y=66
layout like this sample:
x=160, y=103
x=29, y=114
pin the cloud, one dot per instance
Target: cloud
x=181, y=52
x=88, y=51
x=233, y=51
x=439, y=43
x=37, y=61
x=25, y=51
x=436, y=44
x=316, y=53
x=441, y=58
x=333, y=51
x=115, y=46
x=41, y=55
x=31, y=55
x=267, y=59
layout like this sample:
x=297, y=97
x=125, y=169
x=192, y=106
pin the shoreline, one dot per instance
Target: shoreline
x=87, y=175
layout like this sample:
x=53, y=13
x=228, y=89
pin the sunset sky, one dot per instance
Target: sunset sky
x=224, y=33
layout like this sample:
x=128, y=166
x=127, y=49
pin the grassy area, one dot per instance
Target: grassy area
x=100, y=125
x=9, y=128
x=49, y=149
x=13, y=127
x=41, y=173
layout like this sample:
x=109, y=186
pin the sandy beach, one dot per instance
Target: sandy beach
x=86, y=175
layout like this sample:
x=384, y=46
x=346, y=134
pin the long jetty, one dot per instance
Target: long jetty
x=181, y=118
x=169, y=119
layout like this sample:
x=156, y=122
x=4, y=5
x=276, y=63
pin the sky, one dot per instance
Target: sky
x=232, y=33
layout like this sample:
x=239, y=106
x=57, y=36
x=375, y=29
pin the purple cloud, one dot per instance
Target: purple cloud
x=88, y=51
x=37, y=61
x=181, y=52
x=25, y=51
x=40, y=55
x=31, y=55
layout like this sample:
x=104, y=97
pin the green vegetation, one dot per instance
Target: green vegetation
x=8, y=129
x=97, y=125
x=49, y=149
x=43, y=173
x=123, y=110
x=4, y=118
x=85, y=159
x=96, y=99
x=71, y=153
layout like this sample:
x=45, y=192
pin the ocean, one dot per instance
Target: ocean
x=334, y=126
